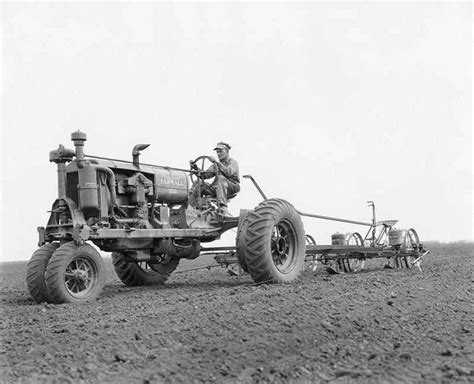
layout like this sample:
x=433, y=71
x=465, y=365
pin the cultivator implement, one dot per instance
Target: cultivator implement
x=343, y=258
x=349, y=251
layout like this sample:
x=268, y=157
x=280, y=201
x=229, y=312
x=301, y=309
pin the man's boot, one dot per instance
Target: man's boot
x=223, y=211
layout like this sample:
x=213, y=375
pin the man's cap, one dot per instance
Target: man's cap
x=222, y=145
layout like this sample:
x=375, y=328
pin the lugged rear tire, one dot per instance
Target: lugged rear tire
x=275, y=242
x=133, y=274
x=35, y=272
x=75, y=274
x=240, y=244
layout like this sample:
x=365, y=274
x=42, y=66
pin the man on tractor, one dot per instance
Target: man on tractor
x=226, y=182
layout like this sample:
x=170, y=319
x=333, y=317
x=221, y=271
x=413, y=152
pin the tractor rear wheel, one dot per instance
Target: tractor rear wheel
x=75, y=274
x=274, y=242
x=141, y=273
x=35, y=272
x=240, y=244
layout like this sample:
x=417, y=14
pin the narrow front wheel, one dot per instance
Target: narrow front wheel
x=36, y=269
x=75, y=274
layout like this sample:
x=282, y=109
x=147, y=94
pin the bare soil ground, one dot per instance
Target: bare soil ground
x=374, y=326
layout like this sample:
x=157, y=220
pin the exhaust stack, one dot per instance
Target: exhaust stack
x=136, y=153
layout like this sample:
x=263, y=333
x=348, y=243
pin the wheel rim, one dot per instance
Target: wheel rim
x=313, y=264
x=146, y=268
x=310, y=240
x=167, y=264
x=80, y=277
x=353, y=264
x=412, y=243
x=283, y=246
x=411, y=240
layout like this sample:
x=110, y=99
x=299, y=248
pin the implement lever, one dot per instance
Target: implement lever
x=309, y=214
x=333, y=219
x=256, y=185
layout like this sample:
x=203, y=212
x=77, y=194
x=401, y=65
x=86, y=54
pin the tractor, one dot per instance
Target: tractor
x=144, y=216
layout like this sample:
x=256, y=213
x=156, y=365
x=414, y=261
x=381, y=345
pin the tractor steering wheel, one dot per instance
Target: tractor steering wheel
x=198, y=169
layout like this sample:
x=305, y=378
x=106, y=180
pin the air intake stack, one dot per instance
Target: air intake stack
x=79, y=138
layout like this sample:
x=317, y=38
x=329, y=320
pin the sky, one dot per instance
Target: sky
x=327, y=105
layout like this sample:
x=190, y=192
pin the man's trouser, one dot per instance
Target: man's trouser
x=221, y=188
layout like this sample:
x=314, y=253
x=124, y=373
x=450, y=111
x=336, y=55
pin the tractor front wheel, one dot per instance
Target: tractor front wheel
x=274, y=242
x=141, y=273
x=75, y=274
x=35, y=272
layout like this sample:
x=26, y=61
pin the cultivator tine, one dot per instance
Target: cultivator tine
x=332, y=271
x=314, y=263
x=417, y=262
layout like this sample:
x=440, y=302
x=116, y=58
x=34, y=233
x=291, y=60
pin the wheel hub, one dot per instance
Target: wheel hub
x=281, y=246
x=80, y=276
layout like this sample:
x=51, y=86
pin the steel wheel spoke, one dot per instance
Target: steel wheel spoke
x=282, y=245
x=79, y=276
x=71, y=287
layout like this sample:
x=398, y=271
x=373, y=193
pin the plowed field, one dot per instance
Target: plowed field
x=378, y=325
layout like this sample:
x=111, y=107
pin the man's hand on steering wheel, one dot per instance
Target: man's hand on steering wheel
x=201, y=170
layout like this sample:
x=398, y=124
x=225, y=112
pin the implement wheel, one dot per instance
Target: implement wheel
x=312, y=262
x=411, y=243
x=141, y=273
x=274, y=242
x=75, y=274
x=353, y=264
x=35, y=272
